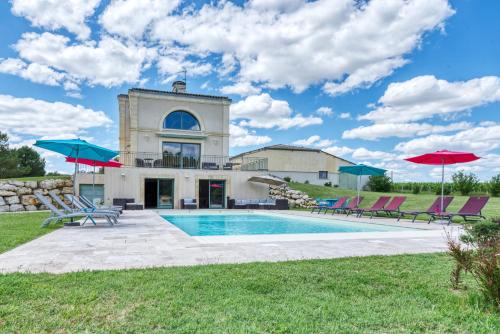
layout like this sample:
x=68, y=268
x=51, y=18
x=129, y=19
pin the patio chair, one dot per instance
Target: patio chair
x=471, y=208
x=337, y=205
x=58, y=215
x=353, y=205
x=90, y=205
x=394, y=205
x=80, y=206
x=375, y=208
x=435, y=207
x=188, y=203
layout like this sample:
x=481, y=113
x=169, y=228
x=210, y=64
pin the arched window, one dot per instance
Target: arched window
x=181, y=120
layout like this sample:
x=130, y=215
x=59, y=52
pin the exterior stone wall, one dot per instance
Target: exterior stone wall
x=295, y=198
x=19, y=195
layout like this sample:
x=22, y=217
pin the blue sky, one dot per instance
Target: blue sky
x=372, y=81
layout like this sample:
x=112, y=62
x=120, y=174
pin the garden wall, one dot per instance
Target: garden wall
x=19, y=195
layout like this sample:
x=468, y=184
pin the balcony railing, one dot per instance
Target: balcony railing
x=208, y=162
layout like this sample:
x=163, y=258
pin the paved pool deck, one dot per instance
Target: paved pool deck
x=143, y=239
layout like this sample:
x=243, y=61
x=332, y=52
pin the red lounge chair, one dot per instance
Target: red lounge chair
x=353, y=205
x=377, y=206
x=394, y=205
x=435, y=207
x=337, y=205
x=471, y=208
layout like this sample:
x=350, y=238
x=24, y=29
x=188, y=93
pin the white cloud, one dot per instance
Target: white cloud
x=478, y=140
x=402, y=130
x=108, y=62
x=241, y=137
x=365, y=154
x=345, y=115
x=56, y=14
x=339, y=150
x=130, y=18
x=315, y=141
x=426, y=96
x=298, y=43
x=241, y=88
x=262, y=111
x=31, y=117
x=33, y=72
x=324, y=111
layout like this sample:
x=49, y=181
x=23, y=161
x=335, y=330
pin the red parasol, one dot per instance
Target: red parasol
x=443, y=157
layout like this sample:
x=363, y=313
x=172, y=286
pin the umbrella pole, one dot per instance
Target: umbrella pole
x=359, y=182
x=442, y=187
x=93, y=183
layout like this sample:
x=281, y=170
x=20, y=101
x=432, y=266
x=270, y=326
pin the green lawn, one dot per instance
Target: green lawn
x=38, y=178
x=413, y=202
x=396, y=294
x=18, y=228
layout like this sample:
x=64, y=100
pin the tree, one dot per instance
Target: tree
x=464, y=183
x=29, y=162
x=494, y=186
x=379, y=183
x=8, y=165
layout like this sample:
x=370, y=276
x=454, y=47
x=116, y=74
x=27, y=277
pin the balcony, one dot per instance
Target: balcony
x=207, y=162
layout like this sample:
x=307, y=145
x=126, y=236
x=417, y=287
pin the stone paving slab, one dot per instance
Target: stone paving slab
x=144, y=239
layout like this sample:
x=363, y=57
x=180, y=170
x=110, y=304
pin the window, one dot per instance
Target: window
x=181, y=155
x=181, y=120
x=323, y=175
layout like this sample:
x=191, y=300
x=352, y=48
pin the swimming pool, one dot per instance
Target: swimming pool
x=259, y=223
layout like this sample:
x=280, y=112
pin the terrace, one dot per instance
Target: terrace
x=190, y=161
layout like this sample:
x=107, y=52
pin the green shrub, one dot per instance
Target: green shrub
x=379, y=183
x=287, y=179
x=306, y=182
x=446, y=190
x=464, y=183
x=494, y=186
x=477, y=254
x=328, y=184
x=416, y=189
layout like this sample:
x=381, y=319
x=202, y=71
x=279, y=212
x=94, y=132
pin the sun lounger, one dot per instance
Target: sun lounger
x=471, y=208
x=376, y=207
x=84, y=200
x=321, y=205
x=79, y=205
x=353, y=205
x=58, y=215
x=394, y=205
x=68, y=209
x=435, y=207
x=336, y=206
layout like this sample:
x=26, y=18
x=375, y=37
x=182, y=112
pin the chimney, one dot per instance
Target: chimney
x=179, y=86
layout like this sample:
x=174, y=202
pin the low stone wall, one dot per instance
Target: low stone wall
x=19, y=195
x=295, y=198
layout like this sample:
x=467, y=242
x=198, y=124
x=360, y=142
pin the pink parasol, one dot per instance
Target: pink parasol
x=443, y=157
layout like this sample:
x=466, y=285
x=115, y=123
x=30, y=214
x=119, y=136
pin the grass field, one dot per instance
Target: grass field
x=19, y=228
x=38, y=178
x=413, y=202
x=396, y=294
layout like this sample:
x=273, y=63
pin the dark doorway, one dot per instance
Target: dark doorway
x=151, y=193
x=204, y=202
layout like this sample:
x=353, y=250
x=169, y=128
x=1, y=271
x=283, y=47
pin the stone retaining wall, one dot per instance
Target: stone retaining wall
x=19, y=195
x=295, y=197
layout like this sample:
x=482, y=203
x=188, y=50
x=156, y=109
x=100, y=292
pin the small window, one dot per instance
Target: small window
x=181, y=120
x=323, y=175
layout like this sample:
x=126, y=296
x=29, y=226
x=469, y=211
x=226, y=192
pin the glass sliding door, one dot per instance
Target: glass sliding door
x=181, y=155
x=217, y=194
x=165, y=193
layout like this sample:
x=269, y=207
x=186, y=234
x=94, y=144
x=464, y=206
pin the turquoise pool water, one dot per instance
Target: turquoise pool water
x=248, y=224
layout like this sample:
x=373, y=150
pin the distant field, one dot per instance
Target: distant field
x=38, y=178
x=413, y=202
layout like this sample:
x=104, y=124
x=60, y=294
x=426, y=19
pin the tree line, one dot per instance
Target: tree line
x=19, y=162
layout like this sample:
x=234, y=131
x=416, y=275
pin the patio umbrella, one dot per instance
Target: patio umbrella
x=362, y=170
x=443, y=157
x=94, y=163
x=267, y=179
x=77, y=148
